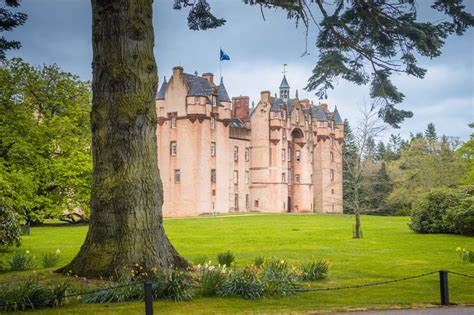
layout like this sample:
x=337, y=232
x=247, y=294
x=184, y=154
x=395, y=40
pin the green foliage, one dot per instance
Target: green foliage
x=430, y=209
x=50, y=259
x=226, y=259
x=29, y=294
x=200, y=16
x=10, y=234
x=459, y=219
x=21, y=261
x=244, y=283
x=45, y=137
x=8, y=21
x=466, y=152
x=315, y=270
x=200, y=260
x=259, y=262
x=278, y=278
x=466, y=256
x=114, y=292
x=210, y=279
x=173, y=285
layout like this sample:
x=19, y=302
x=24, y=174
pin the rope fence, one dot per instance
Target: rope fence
x=148, y=287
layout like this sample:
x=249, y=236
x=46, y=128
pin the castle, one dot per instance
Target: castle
x=215, y=154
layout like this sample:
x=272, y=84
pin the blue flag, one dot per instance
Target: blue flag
x=224, y=56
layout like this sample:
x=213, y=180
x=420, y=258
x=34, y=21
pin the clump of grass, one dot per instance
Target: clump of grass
x=21, y=262
x=31, y=295
x=242, y=282
x=210, y=279
x=278, y=278
x=315, y=270
x=226, y=259
x=50, y=259
x=259, y=261
x=114, y=292
x=173, y=285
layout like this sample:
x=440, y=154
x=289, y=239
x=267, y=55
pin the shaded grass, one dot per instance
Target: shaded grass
x=389, y=250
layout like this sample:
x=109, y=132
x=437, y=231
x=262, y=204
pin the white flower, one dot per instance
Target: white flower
x=211, y=268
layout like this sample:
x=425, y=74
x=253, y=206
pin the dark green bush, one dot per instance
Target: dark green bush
x=10, y=233
x=31, y=295
x=244, y=283
x=226, y=259
x=430, y=208
x=278, y=278
x=210, y=279
x=460, y=219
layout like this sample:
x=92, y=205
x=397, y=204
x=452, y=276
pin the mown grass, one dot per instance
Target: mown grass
x=389, y=250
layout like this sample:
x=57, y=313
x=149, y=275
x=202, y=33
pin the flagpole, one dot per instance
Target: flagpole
x=220, y=63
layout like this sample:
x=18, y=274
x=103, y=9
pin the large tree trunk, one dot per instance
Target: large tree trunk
x=127, y=195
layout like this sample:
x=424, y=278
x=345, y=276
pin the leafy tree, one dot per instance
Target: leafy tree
x=9, y=227
x=366, y=41
x=420, y=169
x=466, y=152
x=8, y=21
x=45, y=161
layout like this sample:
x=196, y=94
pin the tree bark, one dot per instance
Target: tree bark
x=126, y=225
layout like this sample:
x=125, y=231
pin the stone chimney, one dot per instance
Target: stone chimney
x=209, y=77
x=265, y=96
x=178, y=72
x=305, y=103
x=240, y=107
x=324, y=106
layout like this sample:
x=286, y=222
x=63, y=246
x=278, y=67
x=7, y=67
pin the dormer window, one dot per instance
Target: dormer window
x=173, y=122
x=196, y=100
x=275, y=114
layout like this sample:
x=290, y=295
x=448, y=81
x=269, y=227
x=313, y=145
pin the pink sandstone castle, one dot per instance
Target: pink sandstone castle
x=217, y=155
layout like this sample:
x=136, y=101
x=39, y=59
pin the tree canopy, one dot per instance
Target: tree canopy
x=8, y=21
x=363, y=42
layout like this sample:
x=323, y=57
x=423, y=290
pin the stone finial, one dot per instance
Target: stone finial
x=296, y=94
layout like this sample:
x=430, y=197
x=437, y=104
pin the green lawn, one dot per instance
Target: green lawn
x=389, y=250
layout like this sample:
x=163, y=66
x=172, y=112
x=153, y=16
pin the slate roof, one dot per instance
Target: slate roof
x=337, y=117
x=198, y=86
x=236, y=123
x=278, y=103
x=319, y=113
x=161, y=92
x=222, y=93
x=284, y=83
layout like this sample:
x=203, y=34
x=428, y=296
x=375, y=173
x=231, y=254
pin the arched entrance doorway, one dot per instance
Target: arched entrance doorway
x=297, y=135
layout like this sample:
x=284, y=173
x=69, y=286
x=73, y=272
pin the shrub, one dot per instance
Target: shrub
x=21, y=261
x=244, y=283
x=466, y=256
x=259, y=261
x=278, y=279
x=315, y=270
x=174, y=285
x=226, y=258
x=460, y=219
x=210, y=279
x=429, y=209
x=10, y=233
x=50, y=259
x=31, y=295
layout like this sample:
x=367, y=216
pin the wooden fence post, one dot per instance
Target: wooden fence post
x=148, y=297
x=443, y=285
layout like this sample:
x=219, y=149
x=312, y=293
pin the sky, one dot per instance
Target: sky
x=59, y=31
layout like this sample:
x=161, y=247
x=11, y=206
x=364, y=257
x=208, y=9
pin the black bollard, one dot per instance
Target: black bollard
x=443, y=285
x=148, y=297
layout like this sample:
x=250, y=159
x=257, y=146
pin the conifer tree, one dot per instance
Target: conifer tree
x=8, y=21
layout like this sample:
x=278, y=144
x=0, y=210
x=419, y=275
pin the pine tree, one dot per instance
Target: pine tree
x=349, y=160
x=8, y=21
x=380, y=188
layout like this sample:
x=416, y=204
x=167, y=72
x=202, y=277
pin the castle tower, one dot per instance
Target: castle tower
x=284, y=89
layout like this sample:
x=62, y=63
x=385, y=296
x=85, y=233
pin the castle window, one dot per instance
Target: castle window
x=213, y=149
x=214, y=101
x=284, y=133
x=236, y=153
x=213, y=192
x=289, y=154
x=297, y=116
x=247, y=154
x=247, y=177
x=298, y=155
x=236, y=177
x=177, y=176
x=283, y=177
x=275, y=114
x=173, y=148
x=213, y=122
x=283, y=154
x=247, y=201
x=173, y=122
x=332, y=156
x=332, y=191
x=213, y=175
x=289, y=178
x=196, y=100
x=255, y=203
x=321, y=124
x=332, y=175
x=297, y=178
x=236, y=201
